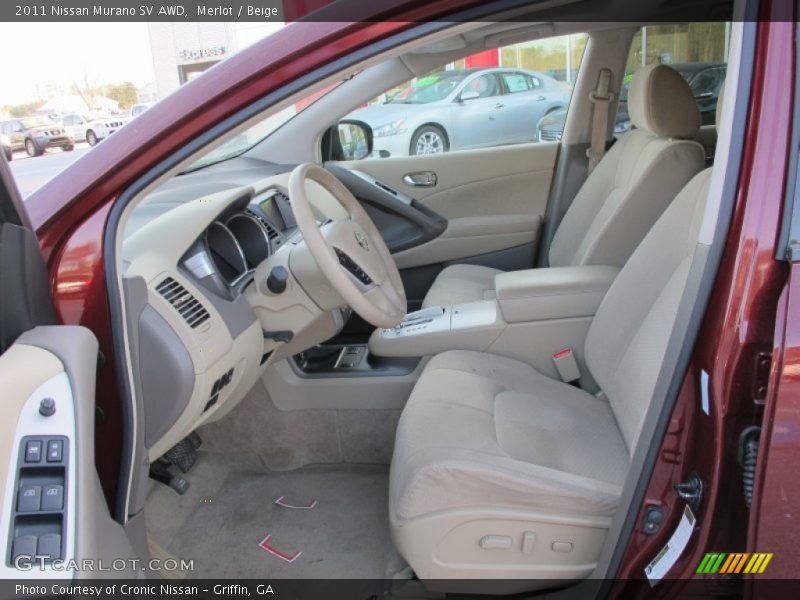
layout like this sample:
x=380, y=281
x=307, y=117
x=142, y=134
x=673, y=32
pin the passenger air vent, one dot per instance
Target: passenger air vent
x=187, y=305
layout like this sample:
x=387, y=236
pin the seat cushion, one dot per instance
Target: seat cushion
x=457, y=284
x=485, y=431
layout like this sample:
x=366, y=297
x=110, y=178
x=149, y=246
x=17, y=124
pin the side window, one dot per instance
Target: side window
x=485, y=86
x=443, y=111
x=16, y=126
x=698, y=51
x=707, y=82
x=517, y=82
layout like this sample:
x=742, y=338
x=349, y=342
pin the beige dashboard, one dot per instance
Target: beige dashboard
x=198, y=343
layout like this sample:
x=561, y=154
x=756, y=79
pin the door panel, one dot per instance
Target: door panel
x=52, y=508
x=57, y=362
x=493, y=199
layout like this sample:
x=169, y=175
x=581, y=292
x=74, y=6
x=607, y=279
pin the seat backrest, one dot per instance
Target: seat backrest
x=627, y=339
x=637, y=178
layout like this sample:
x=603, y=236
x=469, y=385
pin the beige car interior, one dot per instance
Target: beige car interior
x=488, y=435
x=622, y=197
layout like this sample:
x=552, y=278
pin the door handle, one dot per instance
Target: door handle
x=420, y=179
x=540, y=98
x=499, y=105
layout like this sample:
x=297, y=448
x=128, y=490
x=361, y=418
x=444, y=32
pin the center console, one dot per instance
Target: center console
x=431, y=330
x=537, y=313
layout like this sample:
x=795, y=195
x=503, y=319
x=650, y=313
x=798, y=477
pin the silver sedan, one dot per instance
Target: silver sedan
x=462, y=109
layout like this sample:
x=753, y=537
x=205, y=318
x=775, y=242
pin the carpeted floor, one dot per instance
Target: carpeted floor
x=230, y=508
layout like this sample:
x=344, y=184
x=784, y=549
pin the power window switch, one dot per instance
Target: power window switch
x=24, y=550
x=55, y=449
x=29, y=498
x=49, y=546
x=52, y=497
x=33, y=451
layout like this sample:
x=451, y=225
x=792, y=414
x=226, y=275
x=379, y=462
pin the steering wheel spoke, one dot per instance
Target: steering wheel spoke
x=350, y=252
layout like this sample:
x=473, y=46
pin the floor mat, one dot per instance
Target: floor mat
x=230, y=509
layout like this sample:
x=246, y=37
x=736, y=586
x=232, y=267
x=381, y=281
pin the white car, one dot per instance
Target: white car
x=86, y=129
x=463, y=109
x=100, y=129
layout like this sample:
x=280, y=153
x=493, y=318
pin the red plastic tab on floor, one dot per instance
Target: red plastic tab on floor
x=275, y=552
x=282, y=502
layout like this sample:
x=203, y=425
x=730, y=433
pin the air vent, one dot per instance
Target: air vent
x=187, y=305
x=272, y=233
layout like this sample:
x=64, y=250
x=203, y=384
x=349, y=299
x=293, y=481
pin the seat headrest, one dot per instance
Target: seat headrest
x=661, y=102
x=718, y=114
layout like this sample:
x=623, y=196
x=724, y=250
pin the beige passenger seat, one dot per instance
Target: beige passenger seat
x=500, y=472
x=622, y=198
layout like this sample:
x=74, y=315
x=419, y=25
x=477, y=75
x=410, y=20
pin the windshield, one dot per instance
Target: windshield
x=29, y=122
x=257, y=133
x=430, y=88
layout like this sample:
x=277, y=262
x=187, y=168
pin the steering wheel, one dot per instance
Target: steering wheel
x=350, y=252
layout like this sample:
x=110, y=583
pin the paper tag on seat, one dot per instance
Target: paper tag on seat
x=566, y=365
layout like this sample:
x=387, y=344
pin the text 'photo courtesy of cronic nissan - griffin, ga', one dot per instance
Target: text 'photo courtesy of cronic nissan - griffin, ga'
x=400, y=300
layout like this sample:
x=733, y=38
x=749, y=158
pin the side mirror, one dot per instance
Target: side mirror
x=347, y=140
x=468, y=95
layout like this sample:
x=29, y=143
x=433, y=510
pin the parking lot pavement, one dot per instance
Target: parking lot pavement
x=30, y=173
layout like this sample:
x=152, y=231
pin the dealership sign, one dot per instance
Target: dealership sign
x=201, y=53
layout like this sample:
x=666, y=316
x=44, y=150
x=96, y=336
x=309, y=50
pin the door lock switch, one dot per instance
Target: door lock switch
x=54, y=451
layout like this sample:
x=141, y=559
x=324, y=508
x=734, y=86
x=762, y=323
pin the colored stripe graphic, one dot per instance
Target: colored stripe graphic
x=703, y=563
x=734, y=563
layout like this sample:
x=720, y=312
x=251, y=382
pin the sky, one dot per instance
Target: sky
x=41, y=54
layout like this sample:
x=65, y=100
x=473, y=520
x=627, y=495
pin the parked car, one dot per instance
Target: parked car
x=705, y=79
x=100, y=129
x=7, y=152
x=620, y=429
x=138, y=109
x=461, y=109
x=35, y=135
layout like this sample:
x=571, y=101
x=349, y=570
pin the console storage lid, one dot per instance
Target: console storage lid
x=552, y=293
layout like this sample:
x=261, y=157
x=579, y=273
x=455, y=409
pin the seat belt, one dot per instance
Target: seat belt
x=601, y=99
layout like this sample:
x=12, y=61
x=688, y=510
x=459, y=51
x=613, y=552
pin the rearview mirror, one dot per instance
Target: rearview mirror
x=468, y=95
x=347, y=140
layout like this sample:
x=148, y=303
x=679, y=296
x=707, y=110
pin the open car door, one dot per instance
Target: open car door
x=54, y=520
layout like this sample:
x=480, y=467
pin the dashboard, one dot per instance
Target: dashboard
x=239, y=240
x=196, y=308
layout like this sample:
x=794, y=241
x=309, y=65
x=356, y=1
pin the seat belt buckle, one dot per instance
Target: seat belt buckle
x=567, y=365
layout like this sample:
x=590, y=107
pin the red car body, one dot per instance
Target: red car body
x=754, y=311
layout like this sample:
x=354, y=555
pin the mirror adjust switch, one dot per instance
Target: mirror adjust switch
x=52, y=497
x=54, y=450
x=33, y=451
x=29, y=499
x=24, y=546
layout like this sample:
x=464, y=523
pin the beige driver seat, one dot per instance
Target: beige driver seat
x=622, y=198
x=500, y=472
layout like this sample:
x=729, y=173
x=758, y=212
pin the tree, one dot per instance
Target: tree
x=23, y=110
x=87, y=90
x=124, y=93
